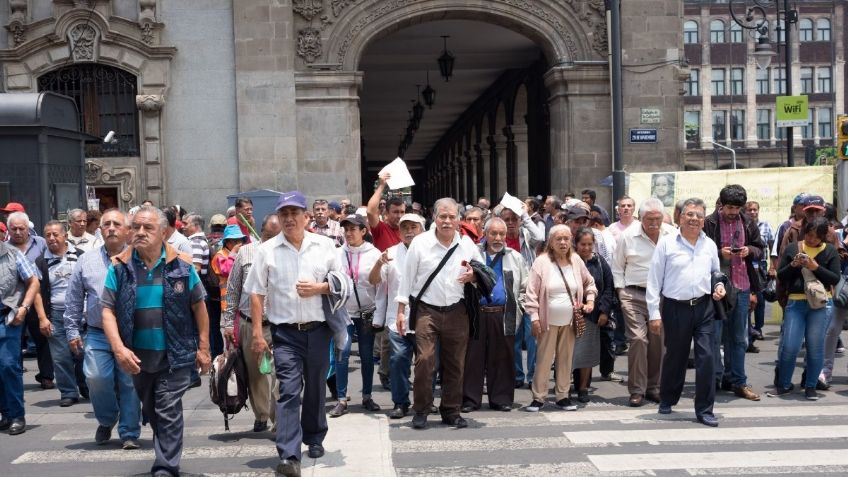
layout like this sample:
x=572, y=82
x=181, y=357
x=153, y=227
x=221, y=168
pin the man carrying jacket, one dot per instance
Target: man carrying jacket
x=737, y=238
x=153, y=310
x=491, y=354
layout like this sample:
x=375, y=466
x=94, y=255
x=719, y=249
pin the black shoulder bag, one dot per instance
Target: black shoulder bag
x=413, y=302
x=367, y=316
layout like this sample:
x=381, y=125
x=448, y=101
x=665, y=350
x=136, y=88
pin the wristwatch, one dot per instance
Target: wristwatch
x=25, y=307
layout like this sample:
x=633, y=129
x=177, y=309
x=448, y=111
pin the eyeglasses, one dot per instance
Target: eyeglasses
x=693, y=215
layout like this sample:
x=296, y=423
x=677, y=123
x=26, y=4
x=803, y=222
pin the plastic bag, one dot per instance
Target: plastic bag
x=770, y=290
x=266, y=364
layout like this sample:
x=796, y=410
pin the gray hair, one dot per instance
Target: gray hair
x=678, y=207
x=493, y=220
x=651, y=205
x=118, y=211
x=17, y=216
x=445, y=202
x=74, y=212
x=163, y=220
x=475, y=210
x=196, y=220
x=694, y=201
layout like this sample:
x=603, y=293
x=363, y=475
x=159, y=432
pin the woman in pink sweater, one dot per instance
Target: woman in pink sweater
x=559, y=284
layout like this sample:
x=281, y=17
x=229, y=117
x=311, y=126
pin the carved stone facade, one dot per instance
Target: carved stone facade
x=78, y=32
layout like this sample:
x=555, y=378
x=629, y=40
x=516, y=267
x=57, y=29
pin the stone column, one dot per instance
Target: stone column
x=469, y=178
x=482, y=171
x=328, y=134
x=511, y=182
x=494, y=169
x=519, y=138
x=460, y=176
x=751, y=104
x=501, y=153
x=150, y=106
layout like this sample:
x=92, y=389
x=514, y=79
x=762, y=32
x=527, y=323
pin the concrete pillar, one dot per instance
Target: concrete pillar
x=511, y=183
x=470, y=178
x=482, y=170
x=495, y=190
x=500, y=154
x=519, y=138
x=328, y=134
x=459, y=166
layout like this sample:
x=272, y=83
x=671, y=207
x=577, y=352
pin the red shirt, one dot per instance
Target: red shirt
x=385, y=236
x=514, y=244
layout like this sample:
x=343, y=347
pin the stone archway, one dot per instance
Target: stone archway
x=332, y=36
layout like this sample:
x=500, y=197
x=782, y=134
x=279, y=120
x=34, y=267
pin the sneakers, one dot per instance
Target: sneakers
x=746, y=392
x=339, y=410
x=534, y=406
x=822, y=385
x=130, y=444
x=614, y=377
x=810, y=394
x=779, y=391
x=566, y=405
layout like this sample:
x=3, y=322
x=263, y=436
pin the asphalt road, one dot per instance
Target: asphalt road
x=786, y=436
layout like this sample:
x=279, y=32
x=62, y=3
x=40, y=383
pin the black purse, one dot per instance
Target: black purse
x=413, y=301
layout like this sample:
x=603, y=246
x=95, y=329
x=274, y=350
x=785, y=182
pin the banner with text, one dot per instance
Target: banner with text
x=773, y=188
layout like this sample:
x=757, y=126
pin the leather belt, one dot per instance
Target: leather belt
x=246, y=318
x=492, y=308
x=308, y=326
x=690, y=302
x=637, y=287
x=445, y=309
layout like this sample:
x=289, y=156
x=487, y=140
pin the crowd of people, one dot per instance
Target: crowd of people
x=127, y=309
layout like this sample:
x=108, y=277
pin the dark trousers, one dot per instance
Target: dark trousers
x=450, y=330
x=216, y=340
x=489, y=356
x=682, y=324
x=42, y=347
x=301, y=361
x=607, y=350
x=161, y=396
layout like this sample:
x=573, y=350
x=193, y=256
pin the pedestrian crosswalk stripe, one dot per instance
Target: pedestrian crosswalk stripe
x=701, y=433
x=146, y=433
x=719, y=460
x=467, y=445
x=59, y=456
x=560, y=469
x=638, y=415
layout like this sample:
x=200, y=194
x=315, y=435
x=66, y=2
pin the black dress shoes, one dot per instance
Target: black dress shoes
x=316, y=451
x=419, y=421
x=260, y=426
x=468, y=408
x=5, y=423
x=68, y=402
x=18, y=426
x=455, y=421
x=500, y=407
x=289, y=468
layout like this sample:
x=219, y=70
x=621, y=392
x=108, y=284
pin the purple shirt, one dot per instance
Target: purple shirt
x=733, y=235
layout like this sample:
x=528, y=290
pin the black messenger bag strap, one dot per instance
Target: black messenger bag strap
x=435, y=272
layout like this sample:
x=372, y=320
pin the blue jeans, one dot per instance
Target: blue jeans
x=366, y=356
x=11, y=371
x=800, y=322
x=103, y=375
x=735, y=340
x=399, y=366
x=760, y=312
x=524, y=335
x=67, y=368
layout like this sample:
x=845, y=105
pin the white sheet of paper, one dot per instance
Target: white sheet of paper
x=400, y=174
x=512, y=203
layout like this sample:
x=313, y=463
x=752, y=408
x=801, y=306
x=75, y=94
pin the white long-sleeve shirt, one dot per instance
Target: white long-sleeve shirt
x=631, y=258
x=357, y=263
x=387, y=289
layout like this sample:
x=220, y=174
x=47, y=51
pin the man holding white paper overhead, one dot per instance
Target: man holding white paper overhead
x=387, y=233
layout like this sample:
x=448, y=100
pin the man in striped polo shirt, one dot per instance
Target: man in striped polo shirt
x=200, y=256
x=153, y=310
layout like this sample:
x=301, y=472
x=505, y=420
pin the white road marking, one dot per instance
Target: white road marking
x=640, y=415
x=719, y=460
x=705, y=434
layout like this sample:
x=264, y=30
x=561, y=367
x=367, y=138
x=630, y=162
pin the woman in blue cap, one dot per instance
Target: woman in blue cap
x=223, y=261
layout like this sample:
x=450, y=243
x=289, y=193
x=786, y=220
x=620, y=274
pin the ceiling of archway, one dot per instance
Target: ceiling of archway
x=393, y=65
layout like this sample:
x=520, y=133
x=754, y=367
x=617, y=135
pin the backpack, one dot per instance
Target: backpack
x=228, y=386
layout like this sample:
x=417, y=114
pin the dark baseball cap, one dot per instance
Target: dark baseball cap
x=799, y=199
x=291, y=199
x=813, y=202
x=354, y=219
x=335, y=206
x=576, y=212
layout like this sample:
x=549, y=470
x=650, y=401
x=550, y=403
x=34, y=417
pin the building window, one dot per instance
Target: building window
x=822, y=29
x=691, y=85
x=780, y=32
x=737, y=81
x=690, y=32
x=737, y=125
x=805, y=29
x=823, y=79
x=763, y=124
x=736, y=33
x=718, y=82
x=719, y=122
x=806, y=80
x=717, y=31
x=692, y=125
x=105, y=98
x=825, y=120
x=807, y=131
x=780, y=133
x=763, y=81
x=779, y=80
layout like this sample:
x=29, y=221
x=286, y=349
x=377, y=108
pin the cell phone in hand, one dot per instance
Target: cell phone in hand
x=735, y=249
x=803, y=257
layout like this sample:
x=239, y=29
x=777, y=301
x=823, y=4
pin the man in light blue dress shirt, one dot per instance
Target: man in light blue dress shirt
x=678, y=298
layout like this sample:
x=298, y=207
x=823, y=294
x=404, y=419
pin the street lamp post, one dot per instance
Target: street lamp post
x=755, y=20
x=732, y=152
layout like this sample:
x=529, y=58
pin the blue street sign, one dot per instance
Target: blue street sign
x=643, y=136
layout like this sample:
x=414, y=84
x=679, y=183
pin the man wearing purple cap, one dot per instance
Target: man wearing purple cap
x=288, y=275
